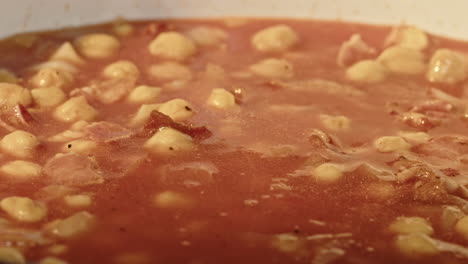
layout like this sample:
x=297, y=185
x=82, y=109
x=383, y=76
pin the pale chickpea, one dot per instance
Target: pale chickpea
x=80, y=146
x=450, y=216
x=273, y=68
x=78, y=200
x=19, y=144
x=52, y=260
x=61, y=66
x=408, y=225
x=23, y=209
x=401, y=60
x=461, y=227
x=368, y=71
x=335, y=123
x=408, y=37
x=12, y=95
x=57, y=249
x=143, y=114
x=97, y=45
x=122, y=28
x=207, y=36
x=415, y=138
x=66, y=52
x=169, y=140
x=416, y=245
x=169, y=71
x=143, y=94
x=133, y=257
x=177, y=109
x=447, y=66
x=48, y=97
x=221, y=99
x=21, y=170
x=327, y=173
x=7, y=76
x=10, y=255
x=275, y=39
x=287, y=243
x=172, y=45
x=50, y=77
x=173, y=200
x=75, y=109
x=121, y=69
x=391, y=144
x=72, y=226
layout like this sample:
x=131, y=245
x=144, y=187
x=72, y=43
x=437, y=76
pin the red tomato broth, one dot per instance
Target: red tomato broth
x=221, y=226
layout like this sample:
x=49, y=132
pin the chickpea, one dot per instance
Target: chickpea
x=52, y=260
x=78, y=200
x=415, y=138
x=450, y=216
x=66, y=52
x=80, y=146
x=407, y=225
x=10, y=255
x=97, y=46
x=19, y=144
x=447, y=66
x=61, y=66
x=21, y=170
x=207, y=36
x=273, y=68
x=335, y=123
x=122, y=28
x=367, y=71
x=143, y=94
x=12, y=95
x=402, y=60
x=57, y=249
x=391, y=144
x=7, y=76
x=416, y=245
x=172, y=45
x=169, y=71
x=122, y=69
x=275, y=39
x=50, y=77
x=72, y=226
x=48, y=97
x=143, y=114
x=75, y=109
x=169, y=140
x=173, y=200
x=23, y=209
x=409, y=37
x=177, y=109
x=461, y=227
x=287, y=243
x=221, y=99
x=327, y=173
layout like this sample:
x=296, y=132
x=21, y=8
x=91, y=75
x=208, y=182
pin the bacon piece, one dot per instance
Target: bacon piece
x=418, y=120
x=158, y=120
x=354, y=50
x=433, y=106
x=154, y=29
x=113, y=90
x=17, y=118
x=72, y=169
x=106, y=131
x=447, y=147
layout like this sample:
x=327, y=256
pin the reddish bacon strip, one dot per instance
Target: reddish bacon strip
x=158, y=120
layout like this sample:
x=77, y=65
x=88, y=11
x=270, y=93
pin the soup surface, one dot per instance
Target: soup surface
x=233, y=141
